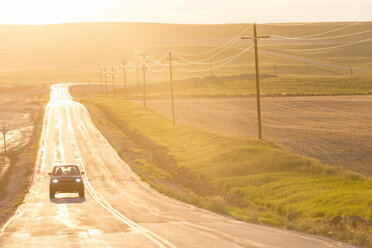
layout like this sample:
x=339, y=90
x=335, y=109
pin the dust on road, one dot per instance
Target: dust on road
x=334, y=129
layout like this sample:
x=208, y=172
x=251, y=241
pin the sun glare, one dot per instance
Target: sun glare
x=39, y=12
x=35, y=12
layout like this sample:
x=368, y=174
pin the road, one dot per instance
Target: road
x=119, y=210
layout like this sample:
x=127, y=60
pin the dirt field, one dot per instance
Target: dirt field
x=21, y=110
x=335, y=129
x=16, y=111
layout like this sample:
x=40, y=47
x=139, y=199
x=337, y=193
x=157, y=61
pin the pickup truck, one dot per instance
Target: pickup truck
x=66, y=179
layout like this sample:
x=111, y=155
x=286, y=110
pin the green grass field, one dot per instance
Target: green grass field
x=252, y=180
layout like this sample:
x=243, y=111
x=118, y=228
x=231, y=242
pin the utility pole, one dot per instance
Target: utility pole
x=275, y=71
x=113, y=81
x=351, y=73
x=171, y=86
x=137, y=70
x=4, y=131
x=105, y=71
x=125, y=80
x=144, y=78
x=255, y=39
x=100, y=70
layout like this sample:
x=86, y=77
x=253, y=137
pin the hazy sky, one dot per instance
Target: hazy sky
x=182, y=11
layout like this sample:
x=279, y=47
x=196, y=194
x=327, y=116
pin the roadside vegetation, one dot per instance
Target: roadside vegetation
x=255, y=181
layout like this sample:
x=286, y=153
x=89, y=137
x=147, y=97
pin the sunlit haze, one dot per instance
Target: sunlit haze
x=185, y=11
x=185, y=123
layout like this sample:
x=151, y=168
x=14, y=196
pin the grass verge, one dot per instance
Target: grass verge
x=251, y=180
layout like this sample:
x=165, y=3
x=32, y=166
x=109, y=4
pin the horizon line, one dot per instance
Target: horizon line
x=170, y=23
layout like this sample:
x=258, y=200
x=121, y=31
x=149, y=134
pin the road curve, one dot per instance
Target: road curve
x=119, y=210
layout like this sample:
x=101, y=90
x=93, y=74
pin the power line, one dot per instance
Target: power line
x=280, y=38
x=325, y=48
x=283, y=55
x=226, y=60
x=210, y=57
x=320, y=38
x=326, y=32
x=157, y=62
x=214, y=49
x=218, y=66
x=189, y=62
x=134, y=67
x=153, y=70
x=287, y=24
x=161, y=58
x=150, y=63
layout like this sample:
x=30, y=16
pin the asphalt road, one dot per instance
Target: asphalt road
x=119, y=209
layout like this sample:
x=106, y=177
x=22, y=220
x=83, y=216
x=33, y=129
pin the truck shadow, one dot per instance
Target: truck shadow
x=68, y=200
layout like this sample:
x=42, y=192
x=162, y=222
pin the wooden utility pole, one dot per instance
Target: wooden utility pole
x=125, y=80
x=351, y=73
x=105, y=71
x=113, y=81
x=4, y=131
x=255, y=39
x=144, y=78
x=100, y=70
x=137, y=71
x=171, y=86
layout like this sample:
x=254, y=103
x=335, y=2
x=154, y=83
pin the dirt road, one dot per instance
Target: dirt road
x=335, y=129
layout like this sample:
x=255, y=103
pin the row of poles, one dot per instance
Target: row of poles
x=104, y=72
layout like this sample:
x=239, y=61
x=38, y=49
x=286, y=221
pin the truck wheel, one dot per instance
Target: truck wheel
x=81, y=193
